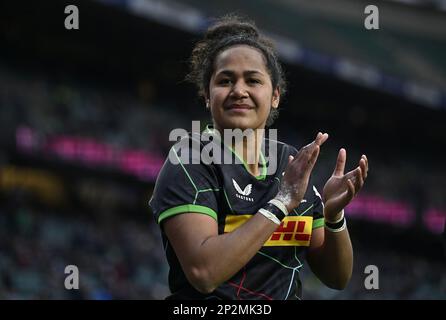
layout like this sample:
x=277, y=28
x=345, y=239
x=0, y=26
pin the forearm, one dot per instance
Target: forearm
x=220, y=257
x=333, y=261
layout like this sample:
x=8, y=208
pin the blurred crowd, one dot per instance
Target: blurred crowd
x=117, y=258
x=399, y=276
x=117, y=117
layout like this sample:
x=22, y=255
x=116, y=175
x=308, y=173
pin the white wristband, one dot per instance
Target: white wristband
x=279, y=204
x=344, y=225
x=342, y=217
x=270, y=216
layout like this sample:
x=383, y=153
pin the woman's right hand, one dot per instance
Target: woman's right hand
x=297, y=173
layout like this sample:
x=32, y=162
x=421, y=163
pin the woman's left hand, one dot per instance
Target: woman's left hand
x=341, y=188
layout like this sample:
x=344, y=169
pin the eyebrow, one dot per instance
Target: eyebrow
x=245, y=73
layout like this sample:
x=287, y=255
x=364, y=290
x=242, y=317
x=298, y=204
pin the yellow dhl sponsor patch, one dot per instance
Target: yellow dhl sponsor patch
x=293, y=231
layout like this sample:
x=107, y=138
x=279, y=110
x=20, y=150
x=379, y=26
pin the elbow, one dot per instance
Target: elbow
x=340, y=278
x=201, y=280
x=338, y=286
x=340, y=283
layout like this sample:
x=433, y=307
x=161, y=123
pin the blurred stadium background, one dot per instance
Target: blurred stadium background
x=85, y=117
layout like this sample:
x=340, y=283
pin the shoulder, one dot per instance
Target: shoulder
x=186, y=147
x=184, y=164
x=191, y=150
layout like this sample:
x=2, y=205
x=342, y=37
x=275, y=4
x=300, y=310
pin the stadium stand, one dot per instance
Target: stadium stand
x=84, y=123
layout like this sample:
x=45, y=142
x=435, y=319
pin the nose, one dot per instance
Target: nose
x=239, y=91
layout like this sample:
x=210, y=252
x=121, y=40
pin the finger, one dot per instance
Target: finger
x=366, y=160
x=314, y=156
x=354, y=175
x=308, y=165
x=340, y=163
x=350, y=190
x=318, y=137
x=309, y=148
x=359, y=180
x=351, y=175
x=305, y=150
x=366, y=164
x=363, y=166
x=321, y=138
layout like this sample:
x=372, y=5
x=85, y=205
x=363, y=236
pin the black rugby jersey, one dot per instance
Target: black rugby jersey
x=231, y=195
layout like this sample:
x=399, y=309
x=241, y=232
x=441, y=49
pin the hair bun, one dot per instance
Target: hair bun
x=229, y=26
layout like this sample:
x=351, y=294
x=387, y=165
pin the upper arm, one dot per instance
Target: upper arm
x=317, y=239
x=185, y=203
x=316, y=243
x=186, y=233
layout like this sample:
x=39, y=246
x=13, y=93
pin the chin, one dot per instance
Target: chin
x=242, y=123
x=239, y=124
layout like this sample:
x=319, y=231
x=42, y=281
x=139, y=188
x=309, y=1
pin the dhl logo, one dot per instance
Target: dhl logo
x=293, y=231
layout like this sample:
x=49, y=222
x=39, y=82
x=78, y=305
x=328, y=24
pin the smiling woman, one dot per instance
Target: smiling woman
x=240, y=90
x=239, y=231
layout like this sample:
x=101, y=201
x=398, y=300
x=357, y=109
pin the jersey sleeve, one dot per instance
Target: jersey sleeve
x=318, y=209
x=184, y=184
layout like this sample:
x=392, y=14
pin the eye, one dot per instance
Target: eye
x=224, y=81
x=254, y=81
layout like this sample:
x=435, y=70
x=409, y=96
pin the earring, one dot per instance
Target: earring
x=207, y=104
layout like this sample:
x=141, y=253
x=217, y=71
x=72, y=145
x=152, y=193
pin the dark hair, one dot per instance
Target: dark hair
x=228, y=31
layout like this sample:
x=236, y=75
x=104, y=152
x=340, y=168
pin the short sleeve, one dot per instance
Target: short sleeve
x=184, y=184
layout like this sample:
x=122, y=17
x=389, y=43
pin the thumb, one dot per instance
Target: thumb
x=290, y=159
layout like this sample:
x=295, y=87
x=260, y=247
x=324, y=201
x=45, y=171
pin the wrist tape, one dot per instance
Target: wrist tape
x=274, y=210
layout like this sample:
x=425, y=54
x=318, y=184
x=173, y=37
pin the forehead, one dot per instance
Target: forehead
x=240, y=57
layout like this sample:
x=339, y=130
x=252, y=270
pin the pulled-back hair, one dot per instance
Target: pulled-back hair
x=228, y=31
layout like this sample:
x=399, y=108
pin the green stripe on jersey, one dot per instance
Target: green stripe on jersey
x=185, y=209
x=318, y=223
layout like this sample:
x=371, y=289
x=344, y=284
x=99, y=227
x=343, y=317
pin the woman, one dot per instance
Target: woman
x=235, y=231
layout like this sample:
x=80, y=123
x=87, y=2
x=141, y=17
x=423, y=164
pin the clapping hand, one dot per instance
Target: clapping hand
x=341, y=188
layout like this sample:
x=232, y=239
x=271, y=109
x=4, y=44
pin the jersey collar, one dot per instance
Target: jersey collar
x=262, y=164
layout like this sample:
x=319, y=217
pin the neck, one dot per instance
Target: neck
x=248, y=148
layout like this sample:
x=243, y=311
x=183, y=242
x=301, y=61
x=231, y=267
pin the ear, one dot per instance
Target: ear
x=206, y=101
x=276, y=98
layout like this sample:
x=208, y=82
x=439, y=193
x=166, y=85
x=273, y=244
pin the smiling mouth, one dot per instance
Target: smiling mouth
x=239, y=107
